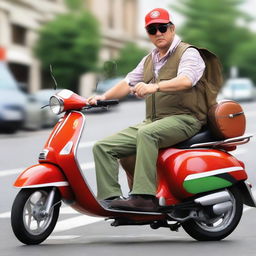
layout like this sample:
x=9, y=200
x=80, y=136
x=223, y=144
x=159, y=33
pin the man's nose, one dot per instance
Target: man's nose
x=158, y=33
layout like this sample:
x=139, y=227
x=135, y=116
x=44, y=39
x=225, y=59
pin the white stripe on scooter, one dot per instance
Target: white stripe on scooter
x=214, y=172
x=51, y=184
x=58, y=129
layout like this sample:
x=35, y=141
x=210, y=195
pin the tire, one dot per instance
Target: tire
x=228, y=221
x=28, y=225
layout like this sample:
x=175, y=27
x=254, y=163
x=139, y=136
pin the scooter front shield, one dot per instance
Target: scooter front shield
x=44, y=175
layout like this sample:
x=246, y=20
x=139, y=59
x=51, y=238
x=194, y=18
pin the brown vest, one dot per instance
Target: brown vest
x=195, y=101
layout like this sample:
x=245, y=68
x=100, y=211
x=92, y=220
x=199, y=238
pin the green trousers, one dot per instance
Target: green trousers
x=144, y=140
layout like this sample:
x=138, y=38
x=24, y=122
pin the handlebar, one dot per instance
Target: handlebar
x=105, y=103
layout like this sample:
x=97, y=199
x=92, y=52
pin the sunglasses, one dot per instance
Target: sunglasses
x=152, y=30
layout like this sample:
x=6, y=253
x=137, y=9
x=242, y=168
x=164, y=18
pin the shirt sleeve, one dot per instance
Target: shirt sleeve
x=136, y=75
x=191, y=65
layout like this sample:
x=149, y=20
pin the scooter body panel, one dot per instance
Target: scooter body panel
x=189, y=172
x=39, y=175
x=44, y=175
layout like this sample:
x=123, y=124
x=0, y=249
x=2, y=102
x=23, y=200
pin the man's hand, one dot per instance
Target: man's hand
x=93, y=99
x=141, y=89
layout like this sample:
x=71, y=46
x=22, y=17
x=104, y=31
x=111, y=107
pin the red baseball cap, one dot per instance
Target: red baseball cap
x=157, y=15
x=2, y=54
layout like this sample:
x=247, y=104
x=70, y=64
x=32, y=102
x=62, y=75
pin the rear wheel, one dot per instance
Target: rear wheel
x=219, y=227
x=29, y=223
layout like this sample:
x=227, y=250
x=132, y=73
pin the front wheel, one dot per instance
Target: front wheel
x=28, y=222
x=218, y=227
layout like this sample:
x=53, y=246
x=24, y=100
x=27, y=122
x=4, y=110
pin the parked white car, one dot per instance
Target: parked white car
x=239, y=89
x=12, y=102
x=20, y=110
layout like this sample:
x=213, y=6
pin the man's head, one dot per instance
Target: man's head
x=159, y=27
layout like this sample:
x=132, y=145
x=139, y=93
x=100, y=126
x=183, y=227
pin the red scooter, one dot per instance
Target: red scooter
x=201, y=187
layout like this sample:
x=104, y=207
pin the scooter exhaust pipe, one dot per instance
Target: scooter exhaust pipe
x=215, y=198
x=221, y=208
x=220, y=202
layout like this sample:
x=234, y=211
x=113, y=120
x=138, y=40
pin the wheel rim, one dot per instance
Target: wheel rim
x=220, y=222
x=34, y=219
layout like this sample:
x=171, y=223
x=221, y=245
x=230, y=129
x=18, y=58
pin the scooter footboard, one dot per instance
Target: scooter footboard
x=44, y=175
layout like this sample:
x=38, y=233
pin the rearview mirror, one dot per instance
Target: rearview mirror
x=109, y=69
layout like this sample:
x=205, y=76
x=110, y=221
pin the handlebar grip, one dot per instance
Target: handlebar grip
x=105, y=103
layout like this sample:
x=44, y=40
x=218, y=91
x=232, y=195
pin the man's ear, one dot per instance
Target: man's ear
x=172, y=27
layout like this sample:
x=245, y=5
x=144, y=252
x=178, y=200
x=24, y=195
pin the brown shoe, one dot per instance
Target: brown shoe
x=144, y=203
x=106, y=202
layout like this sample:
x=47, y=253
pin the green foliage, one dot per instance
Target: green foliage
x=74, y=5
x=213, y=25
x=245, y=58
x=70, y=43
x=109, y=69
x=129, y=58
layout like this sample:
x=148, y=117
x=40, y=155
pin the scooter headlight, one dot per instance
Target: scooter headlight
x=56, y=105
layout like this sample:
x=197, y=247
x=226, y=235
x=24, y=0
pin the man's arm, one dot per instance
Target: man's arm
x=181, y=82
x=178, y=83
x=122, y=88
x=119, y=91
x=190, y=70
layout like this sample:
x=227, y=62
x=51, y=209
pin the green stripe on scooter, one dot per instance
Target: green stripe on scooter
x=205, y=184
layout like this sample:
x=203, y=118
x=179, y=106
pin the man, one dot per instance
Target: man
x=174, y=84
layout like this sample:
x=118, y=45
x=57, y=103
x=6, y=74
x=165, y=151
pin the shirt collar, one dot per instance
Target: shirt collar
x=173, y=46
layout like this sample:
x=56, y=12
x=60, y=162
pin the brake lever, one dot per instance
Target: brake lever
x=45, y=106
x=95, y=106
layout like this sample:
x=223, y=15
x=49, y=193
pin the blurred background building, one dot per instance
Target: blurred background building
x=76, y=37
x=121, y=21
x=19, y=22
x=118, y=19
x=21, y=19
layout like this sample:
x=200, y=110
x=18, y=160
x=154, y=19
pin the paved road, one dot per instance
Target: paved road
x=82, y=235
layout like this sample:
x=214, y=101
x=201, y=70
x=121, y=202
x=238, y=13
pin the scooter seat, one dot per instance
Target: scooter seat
x=203, y=136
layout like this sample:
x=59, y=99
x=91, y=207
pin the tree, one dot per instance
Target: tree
x=70, y=43
x=214, y=25
x=245, y=58
x=129, y=58
x=75, y=5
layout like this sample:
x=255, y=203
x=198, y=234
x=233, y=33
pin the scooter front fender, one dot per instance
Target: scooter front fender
x=44, y=175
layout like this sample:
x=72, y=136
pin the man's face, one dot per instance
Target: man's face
x=161, y=39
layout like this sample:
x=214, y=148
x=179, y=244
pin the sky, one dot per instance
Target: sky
x=147, y=5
